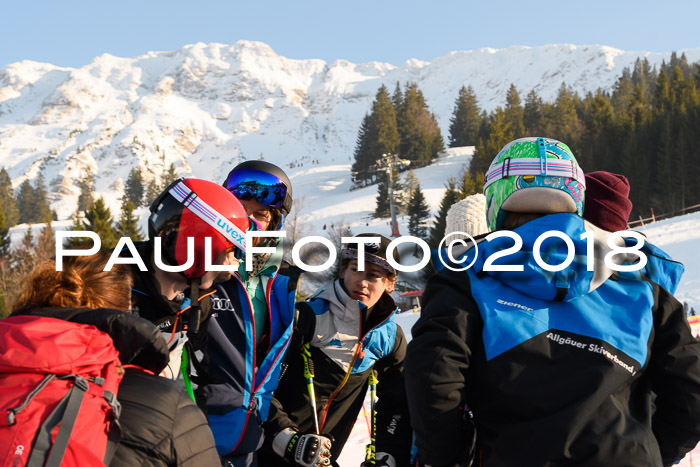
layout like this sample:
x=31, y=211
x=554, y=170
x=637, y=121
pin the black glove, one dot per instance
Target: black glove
x=382, y=459
x=303, y=449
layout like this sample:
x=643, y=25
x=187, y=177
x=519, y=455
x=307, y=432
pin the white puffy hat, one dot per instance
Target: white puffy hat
x=467, y=215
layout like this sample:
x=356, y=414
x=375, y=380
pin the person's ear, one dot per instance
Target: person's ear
x=390, y=286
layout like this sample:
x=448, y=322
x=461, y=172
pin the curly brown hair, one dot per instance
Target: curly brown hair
x=82, y=283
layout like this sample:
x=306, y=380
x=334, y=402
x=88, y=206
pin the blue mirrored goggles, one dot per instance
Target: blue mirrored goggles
x=265, y=188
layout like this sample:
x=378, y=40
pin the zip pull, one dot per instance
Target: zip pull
x=253, y=403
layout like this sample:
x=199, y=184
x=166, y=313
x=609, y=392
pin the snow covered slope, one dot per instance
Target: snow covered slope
x=207, y=107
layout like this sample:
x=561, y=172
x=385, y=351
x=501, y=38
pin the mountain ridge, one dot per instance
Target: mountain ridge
x=206, y=107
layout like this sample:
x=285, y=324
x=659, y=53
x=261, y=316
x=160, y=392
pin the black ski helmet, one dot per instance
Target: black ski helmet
x=263, y=167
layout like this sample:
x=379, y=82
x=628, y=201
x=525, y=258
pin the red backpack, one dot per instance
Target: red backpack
x=58, y=387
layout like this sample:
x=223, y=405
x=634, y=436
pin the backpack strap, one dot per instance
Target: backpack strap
x=115, y=428
x=64, y=414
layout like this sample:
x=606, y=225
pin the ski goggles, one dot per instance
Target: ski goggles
x=266, y=188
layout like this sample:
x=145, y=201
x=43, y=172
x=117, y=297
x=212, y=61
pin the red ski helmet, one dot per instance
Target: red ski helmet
x=197, y=208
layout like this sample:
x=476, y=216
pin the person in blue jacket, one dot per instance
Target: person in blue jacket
x=253, y=314
x=515, y=363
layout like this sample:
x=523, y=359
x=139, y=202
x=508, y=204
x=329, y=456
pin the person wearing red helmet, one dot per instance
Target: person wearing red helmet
x=196, y=229
x=253, y=317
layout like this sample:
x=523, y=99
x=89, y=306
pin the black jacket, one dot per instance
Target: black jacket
x=177, y=326
x=161, y=425
x=333, y=328
x=554, y=370
x=150, y=304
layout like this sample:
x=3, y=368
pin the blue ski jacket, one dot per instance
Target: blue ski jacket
x=585, y=365
x=243, y=373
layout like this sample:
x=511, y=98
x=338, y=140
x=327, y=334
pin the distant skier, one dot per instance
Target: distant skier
x=540, y=368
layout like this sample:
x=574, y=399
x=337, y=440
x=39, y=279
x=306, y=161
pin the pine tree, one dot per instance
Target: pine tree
x=514, y=115
x=8, y=203
x=79, y=224
x=383, y=125
x=466, y=119
x=409, y=186
x=134, y=187
x=45, y=247
x=418, y=214
x=153, y=190
x=4, y=235
x=420, y=136
x=565, y=121
x=168, y=177
x=470, y=185
x=378, y=135
x=128, y=223
x=532, y=114
x=383, y=208
x=622, y=95
x=25, y=202
x=42, y=211
x=397, y=98
x=638, y=109
x=98, y=219
x=486, y=150
x=24, y=258
x=86, y=184
x=450, y=197
x=361, y=166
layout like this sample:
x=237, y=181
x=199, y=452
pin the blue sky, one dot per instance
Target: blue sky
x=72, y=32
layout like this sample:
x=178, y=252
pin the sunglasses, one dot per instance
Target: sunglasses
x=265, y=188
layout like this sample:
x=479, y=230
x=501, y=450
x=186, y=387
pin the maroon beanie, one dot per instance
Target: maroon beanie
x=607, y=203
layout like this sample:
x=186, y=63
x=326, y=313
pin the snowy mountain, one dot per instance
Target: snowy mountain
x=206, y=107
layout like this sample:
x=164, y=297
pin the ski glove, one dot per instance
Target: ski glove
x=382, y=459
x=303, y=449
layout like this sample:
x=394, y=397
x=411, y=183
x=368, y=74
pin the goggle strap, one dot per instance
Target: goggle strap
x=534, y=166
x=211, y=216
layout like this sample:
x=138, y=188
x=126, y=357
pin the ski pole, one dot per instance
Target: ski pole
x=309, y=375
x=371, y=448
x=184, y=368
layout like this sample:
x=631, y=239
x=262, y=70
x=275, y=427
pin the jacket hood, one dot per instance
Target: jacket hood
x=137, y=340
x=347, y=309
x=533, y=280
x=344, y=307
x=661, y=268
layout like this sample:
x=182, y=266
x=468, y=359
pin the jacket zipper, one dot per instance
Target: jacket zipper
x=251, y=404
x=358, y=349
